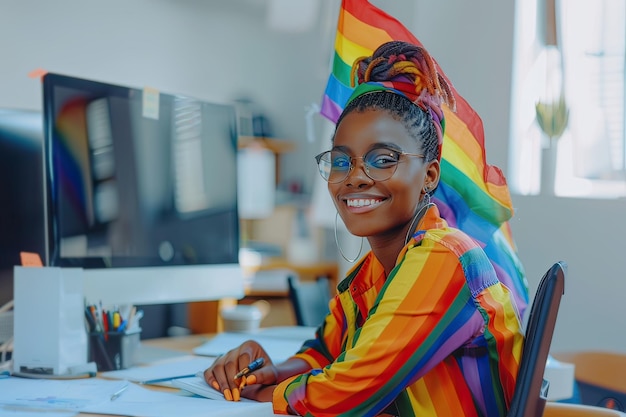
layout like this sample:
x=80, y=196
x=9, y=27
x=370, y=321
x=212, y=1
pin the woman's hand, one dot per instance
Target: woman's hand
x=257, y=392
x=260, y=383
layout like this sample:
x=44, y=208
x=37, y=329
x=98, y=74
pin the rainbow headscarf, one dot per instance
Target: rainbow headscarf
x=406, y=88
x=472, y=195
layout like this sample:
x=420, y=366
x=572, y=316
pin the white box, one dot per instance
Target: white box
x=561, y=377
x=49, y=320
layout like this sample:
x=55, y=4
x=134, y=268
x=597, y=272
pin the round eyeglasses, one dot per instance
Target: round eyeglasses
x=380, y=164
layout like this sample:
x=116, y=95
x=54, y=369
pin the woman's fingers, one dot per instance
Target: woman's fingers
x=210, y=379
x=266, y=375
x=230, y=368
x=221, y=375
x=251, y=380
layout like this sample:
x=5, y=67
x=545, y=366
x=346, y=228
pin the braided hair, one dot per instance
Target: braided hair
x=415, y=100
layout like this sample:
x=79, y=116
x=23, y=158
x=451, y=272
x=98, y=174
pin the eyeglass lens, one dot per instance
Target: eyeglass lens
x=380, y=164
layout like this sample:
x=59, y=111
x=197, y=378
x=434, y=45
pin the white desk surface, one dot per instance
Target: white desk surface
x=170, y=347
x=161, y=401
x=167, y=348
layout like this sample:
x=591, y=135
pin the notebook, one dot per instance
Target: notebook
x=197, y=385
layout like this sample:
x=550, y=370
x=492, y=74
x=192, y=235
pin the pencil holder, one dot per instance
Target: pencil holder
x=113, y=350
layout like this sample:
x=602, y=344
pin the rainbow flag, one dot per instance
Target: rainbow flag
x=472, y=195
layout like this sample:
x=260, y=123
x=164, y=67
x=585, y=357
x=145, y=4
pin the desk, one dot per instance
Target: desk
x=204, y=316
x=183, y=344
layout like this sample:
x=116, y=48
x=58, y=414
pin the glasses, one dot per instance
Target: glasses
x=380, y=164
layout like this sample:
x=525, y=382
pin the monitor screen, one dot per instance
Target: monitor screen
x=21, y=211
x=139, y=181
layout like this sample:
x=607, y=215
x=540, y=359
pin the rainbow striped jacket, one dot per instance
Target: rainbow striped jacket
x=440, y=336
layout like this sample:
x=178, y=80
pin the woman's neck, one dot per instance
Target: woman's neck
x=386, y=251
x=386, y=248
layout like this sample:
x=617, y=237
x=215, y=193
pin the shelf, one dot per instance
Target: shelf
x=278, y=146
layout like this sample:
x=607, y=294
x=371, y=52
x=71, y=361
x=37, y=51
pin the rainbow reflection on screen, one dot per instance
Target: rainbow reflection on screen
x=73, y=166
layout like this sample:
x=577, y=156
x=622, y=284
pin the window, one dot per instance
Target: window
x=591, y=159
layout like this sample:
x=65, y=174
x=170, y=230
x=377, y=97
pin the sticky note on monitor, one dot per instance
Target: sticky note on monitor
x=150, y=107
x=30, y=259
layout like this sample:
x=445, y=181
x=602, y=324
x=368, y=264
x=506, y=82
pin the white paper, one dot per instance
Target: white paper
x=51, y=395
x=93, y=395
x=17, y=412
x=279, y=349
x=139, y=401
x=166, y=370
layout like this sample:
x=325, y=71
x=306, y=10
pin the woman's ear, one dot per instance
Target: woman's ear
x=433, y=171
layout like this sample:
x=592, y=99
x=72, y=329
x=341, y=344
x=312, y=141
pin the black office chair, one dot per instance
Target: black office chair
x=309, y=299
x=531, y=390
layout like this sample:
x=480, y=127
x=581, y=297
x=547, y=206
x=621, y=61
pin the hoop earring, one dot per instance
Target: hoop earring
x=339, y=246
x=423, y=205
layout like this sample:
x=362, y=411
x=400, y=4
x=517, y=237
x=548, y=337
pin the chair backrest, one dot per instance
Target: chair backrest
x=531, y=390
x=309, y=300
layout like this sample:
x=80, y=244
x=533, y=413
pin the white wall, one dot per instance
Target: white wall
x=219, y=50
x=473, y=42
x=589, y=236
x=213, y=50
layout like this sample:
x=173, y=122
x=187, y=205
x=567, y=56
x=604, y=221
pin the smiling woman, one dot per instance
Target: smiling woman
x=423, y=312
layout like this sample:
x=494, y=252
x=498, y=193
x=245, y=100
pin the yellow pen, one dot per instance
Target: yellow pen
x=117, y=320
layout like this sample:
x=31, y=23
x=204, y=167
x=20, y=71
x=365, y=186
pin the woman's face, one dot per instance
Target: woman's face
x=369, y=207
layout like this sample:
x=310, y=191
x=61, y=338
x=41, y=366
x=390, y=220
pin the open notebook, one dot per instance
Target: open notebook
x=198, y=386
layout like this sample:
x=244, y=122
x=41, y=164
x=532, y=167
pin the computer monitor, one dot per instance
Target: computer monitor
x=141, y=192
x=21, y=214
x=21, y=188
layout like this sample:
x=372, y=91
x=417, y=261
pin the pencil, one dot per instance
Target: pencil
x=119, y=392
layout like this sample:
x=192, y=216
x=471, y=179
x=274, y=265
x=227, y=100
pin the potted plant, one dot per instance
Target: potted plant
x=552, y=118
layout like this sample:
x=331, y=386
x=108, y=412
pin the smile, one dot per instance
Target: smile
x=362, y=202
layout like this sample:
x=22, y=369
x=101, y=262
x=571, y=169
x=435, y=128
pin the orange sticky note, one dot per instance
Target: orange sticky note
x=37, y=73
x=30, y=259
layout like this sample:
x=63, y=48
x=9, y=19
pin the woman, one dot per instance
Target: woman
x=421, y=325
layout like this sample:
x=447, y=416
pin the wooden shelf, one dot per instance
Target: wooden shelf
x=278, y=146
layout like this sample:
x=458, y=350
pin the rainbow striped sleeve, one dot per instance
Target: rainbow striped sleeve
x=442, y=337
x=472, y=195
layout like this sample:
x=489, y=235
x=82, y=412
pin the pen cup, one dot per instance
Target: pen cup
x=113, y=350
